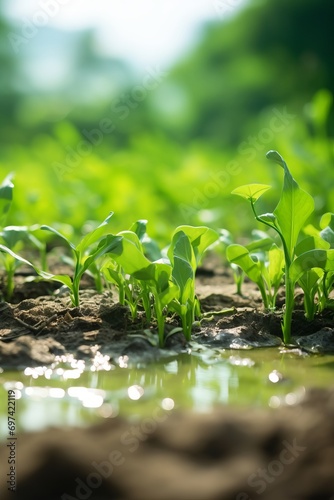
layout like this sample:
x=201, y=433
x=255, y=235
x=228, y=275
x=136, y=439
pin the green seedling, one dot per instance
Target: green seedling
x=85, y=254
x=6, y=198
x=264, y=267
x=154, y=277
x=185, y=253
x=164, y=286
x=226, y=239
x=130, y=291
x=293, y=209
x=14, y=237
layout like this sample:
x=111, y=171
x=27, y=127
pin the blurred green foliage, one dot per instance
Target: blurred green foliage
x=260, y=80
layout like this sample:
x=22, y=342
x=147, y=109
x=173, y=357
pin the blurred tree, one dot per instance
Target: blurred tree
x=271, y=53
x=8, y=94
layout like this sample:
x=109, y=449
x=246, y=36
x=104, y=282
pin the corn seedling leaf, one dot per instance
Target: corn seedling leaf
x=251, y=192
x=327, y=226
x=57, y=233
x=93, y=236
x=294, y=207
x=318, y=258
x=6, y=198
x=239, y=255
x=276, y=265
x=200, y=237
x=139, y=227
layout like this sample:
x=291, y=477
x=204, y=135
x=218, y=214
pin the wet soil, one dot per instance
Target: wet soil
x=228, y=454
x=40, y=324
x=233, y=454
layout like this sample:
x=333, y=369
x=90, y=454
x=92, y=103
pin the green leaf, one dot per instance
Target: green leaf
x=107, y=245
x=261, y=244
x=251, y=192
x=237, y=254
x=54, y=231
x=7, y=250
x=6, y=198
x=113, y=275
x=268, y=217
x=94, y=235
x=139, y=227
x=200, y=237
x=276, y=264
x=162, y=275
x=169, y=293
x=327, y=226
x=294, y=207
x=311, y=243
x=132, y=260
x=184, y=265
x=318, y=258
x=133, y=237
x=66, y=280
x=309, y=280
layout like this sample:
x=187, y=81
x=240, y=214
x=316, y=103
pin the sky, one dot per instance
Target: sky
x=141, y=32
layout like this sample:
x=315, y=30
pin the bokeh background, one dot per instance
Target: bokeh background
x=158, y=109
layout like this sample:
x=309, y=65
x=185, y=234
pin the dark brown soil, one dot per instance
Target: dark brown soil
x=40, y=323
x=283, y=454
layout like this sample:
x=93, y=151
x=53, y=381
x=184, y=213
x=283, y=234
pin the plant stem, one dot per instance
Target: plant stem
x=160, y=321
x=10, y=283
x=289, y=305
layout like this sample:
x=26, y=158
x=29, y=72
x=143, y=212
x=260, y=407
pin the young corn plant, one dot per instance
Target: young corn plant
x=293, y=209
x=166, y=286
x=84, y=255
x=185, y=253
x=157, y=287
x=226, y=239
x=263, y=266
x=6, y=198
x=130, y=291
x=14, y=237
x=314, y=267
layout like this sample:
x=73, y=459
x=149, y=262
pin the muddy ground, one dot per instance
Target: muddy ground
x=40, y=324
x=240, y=454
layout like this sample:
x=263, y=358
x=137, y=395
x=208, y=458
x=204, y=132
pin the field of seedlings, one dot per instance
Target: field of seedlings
x=167, y=252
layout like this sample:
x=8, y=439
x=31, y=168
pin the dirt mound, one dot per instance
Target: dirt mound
x=287, y=453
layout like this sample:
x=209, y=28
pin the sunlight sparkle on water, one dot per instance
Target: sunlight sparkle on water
x=167, y=404
x=90, y=398
x=123, y=361
x=135, y=392
x=275, y=377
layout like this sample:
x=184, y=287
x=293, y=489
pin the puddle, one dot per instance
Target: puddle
x=71, y=392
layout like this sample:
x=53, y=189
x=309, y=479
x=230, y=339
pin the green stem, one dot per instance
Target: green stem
x=160, y=321
x=10, y=283
x=289, y=305
x=263, y=295
x=289, y=285
x=272, y=226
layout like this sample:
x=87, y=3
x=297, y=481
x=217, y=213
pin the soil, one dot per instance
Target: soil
x=40, y=324
x=287, y=453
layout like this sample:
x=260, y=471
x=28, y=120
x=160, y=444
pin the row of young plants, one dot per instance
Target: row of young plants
x=163, y=282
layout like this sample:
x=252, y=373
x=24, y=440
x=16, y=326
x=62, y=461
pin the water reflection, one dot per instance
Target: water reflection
x=71, y=392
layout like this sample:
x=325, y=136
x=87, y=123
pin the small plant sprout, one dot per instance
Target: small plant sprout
x=154, y=277
x=264, y=267
x=14, y=237
x=85, y=254
x=293, y=209
x=6, y=198
x=164, y=285
x=185, y=253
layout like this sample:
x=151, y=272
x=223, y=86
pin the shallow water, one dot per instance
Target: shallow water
x=74, y=393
